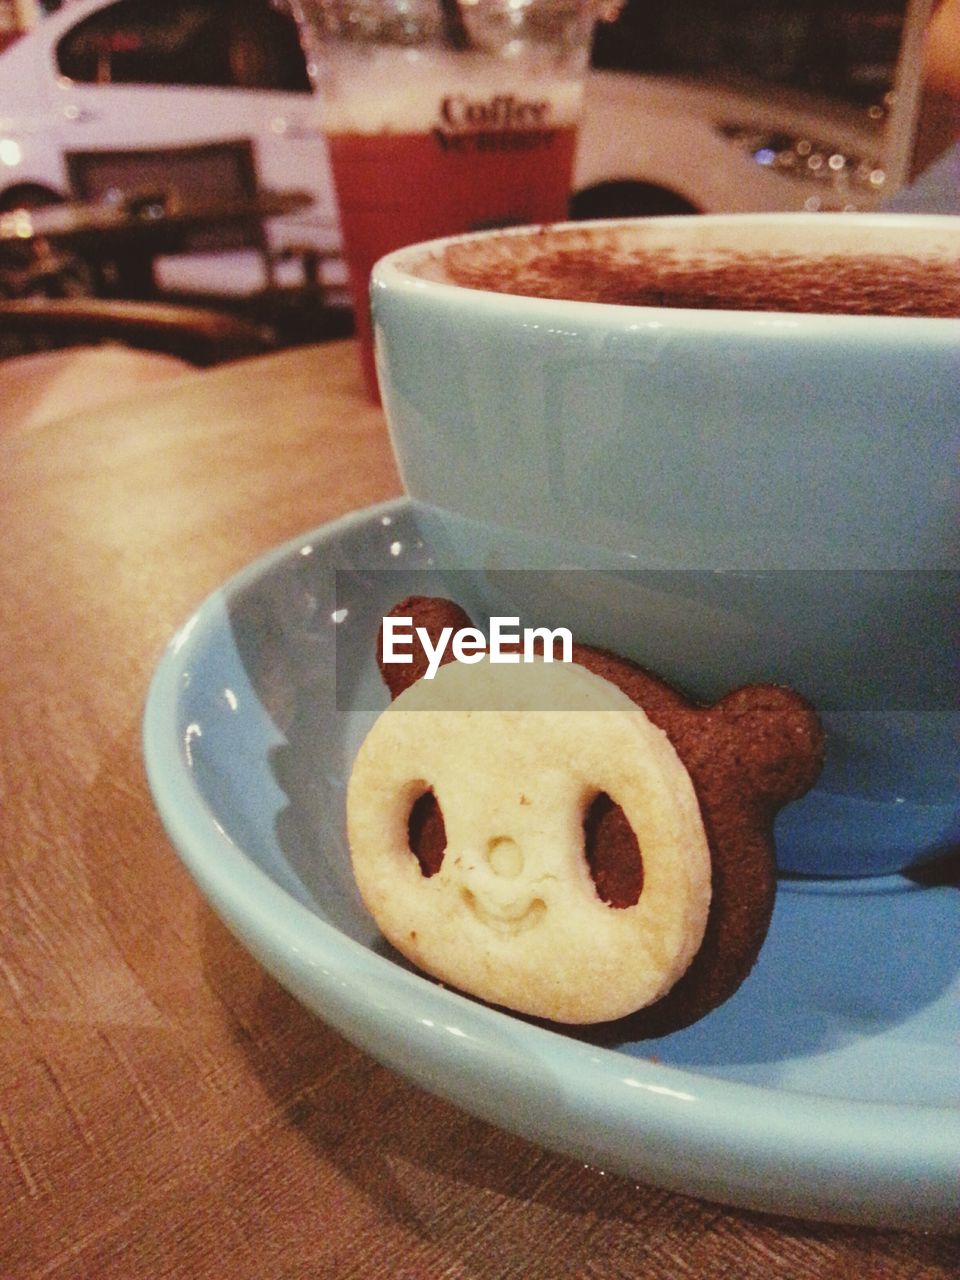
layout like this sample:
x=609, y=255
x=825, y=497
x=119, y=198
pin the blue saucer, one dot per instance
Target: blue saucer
x=828, y=1087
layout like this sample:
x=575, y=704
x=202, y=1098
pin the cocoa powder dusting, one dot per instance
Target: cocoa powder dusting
x=831, y=284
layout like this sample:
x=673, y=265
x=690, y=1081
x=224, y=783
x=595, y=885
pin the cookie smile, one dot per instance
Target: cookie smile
x=509, y=917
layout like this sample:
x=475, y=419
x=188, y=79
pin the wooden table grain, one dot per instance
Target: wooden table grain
x=166, y=1109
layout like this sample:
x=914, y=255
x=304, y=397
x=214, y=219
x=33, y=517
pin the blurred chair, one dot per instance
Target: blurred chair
x=214, y=171
x=37, y=269
x=197, y=335
x=66, y=354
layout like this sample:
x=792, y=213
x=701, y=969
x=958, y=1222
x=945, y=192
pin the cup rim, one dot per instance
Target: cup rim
x=394, y=273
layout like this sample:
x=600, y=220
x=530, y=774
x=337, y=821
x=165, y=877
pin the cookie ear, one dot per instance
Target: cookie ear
x=774, y=738
x=748, y=754
x=433, y=614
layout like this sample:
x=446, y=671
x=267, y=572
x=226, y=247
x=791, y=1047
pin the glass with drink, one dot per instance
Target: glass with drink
x=445, y=116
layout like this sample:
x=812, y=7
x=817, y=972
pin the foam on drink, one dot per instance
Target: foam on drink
x=872, y=269
x=395, y=90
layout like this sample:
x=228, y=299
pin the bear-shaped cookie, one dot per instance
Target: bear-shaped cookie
x=614, y=859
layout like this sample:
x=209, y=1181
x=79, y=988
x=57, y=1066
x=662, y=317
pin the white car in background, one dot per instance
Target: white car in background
x=123, y=74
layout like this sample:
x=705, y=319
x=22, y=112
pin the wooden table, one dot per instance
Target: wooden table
x=166, y=1109
x=124, y=239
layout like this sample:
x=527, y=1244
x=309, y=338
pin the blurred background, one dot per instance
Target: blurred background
x=691, y=106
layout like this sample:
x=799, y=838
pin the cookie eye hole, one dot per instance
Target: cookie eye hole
x=612, y=852
x=426, y=833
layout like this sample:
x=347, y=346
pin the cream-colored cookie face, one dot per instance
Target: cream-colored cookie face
x=513, y=915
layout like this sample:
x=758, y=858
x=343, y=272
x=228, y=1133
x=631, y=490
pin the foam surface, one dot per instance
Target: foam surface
x=402, y=90
x=857, y=270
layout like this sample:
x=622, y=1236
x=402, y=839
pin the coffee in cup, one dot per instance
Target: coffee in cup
x=760, y=493
x=576, y=265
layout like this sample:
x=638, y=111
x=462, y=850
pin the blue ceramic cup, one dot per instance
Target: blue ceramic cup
x=750, y=495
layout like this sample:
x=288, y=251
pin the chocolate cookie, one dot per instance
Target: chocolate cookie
x=747, y=755
x=514, y=756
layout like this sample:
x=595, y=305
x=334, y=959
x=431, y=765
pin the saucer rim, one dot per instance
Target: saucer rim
x=777, y=1150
